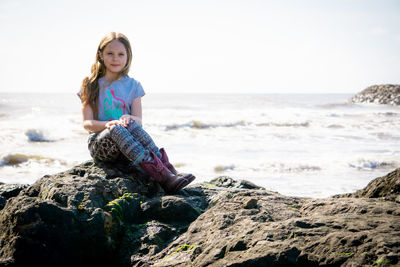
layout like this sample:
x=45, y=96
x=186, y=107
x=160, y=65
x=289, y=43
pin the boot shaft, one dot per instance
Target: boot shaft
x=156, y=169
x=165, y=161
x=169, y=182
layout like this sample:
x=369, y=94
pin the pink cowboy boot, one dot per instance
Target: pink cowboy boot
x=170, y=182
x=165, y=161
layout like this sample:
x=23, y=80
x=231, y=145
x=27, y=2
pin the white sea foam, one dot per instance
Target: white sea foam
x=364, y=164
x=35, y=135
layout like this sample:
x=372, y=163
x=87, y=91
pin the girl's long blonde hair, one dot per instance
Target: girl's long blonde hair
x=90, y=85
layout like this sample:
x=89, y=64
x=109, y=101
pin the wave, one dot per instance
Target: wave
x=285, y=124
x=385, y=136
x=285, y=168
x=201, y=125
x=335, y=126
x=299, y=168
x=336, y=105
x=372, y=164
x=349, y=137
x=194, y=124
x=17, y=158
x=221, y=168
x=388, y=114
x=37, y=136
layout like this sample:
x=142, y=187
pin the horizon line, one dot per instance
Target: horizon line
x=212, y=93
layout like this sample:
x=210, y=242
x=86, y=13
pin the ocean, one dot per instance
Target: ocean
x=310, y=145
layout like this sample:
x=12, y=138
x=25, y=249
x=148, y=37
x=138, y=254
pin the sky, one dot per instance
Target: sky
x=205, y=46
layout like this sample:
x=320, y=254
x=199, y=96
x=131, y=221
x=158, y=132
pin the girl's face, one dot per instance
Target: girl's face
x=114, y=57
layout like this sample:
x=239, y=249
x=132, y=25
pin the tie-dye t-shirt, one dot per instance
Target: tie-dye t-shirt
x=116, y=98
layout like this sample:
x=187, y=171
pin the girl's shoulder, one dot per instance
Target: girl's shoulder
x=135, y=88
x=130, y=82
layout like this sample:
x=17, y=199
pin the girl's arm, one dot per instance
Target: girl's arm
x=92, y=125
x=89, y=123
x=136, y=112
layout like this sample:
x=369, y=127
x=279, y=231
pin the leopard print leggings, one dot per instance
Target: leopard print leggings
x=132, y=143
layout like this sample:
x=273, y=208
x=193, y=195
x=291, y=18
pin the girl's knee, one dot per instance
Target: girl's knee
x=116, y=128
x=134, y=124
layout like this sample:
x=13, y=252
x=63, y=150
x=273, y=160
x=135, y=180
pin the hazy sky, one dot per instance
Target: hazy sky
x=235, y=46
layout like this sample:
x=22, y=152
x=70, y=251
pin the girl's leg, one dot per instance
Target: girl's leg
x=148, y=161
x=102, y=147
x=128, y=145
x=143, y=137
x=119, y=137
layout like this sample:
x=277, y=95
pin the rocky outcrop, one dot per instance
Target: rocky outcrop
x=276, y=230
x=93, y=214
x=386, y=188
x=388, y=94
x=8, y=191
x=96, y=214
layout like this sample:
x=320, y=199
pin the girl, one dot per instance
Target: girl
x=112, y=113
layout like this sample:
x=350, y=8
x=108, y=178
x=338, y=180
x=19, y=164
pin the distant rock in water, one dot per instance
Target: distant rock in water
x=388, y=94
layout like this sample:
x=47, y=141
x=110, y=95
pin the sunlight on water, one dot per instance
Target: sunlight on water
x=306, y=145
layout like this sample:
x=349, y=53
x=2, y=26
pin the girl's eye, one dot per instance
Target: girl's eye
x=109, y=53
x=121, y=55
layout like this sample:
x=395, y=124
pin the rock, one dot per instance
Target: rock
x=225, y=181
x=11, y=190
x=92, y=214
x=107, y=215
x=289, y=231
x=3, y=201
x=8, y=191
x=172, y=208
x=388, y=94
x=386, y=187
x=250, y=204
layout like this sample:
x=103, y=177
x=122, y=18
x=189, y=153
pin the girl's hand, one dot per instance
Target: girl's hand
x=125, y=119
x=115, y=122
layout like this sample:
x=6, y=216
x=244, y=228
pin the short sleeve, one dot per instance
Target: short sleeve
x=136, y=91
x=139, y=92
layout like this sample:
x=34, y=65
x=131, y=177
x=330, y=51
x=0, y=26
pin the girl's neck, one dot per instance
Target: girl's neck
x=112, y=77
